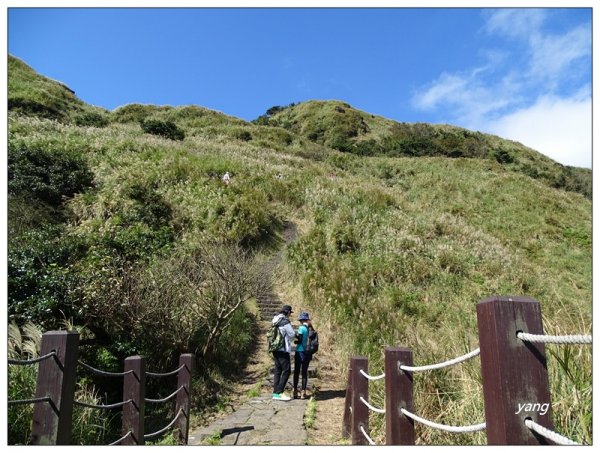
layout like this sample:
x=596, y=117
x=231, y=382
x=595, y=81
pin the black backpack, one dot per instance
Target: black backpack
x=313, y=341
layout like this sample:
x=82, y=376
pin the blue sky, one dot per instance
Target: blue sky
x=523, y=74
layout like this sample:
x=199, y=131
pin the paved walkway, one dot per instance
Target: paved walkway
x=260, y=421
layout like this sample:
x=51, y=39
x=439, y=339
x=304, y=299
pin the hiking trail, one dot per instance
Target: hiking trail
x=257, y=419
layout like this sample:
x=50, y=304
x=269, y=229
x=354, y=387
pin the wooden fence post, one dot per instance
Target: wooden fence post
x=347, y=422
x=399, y=429
x=184, y=379
x=515, y=375
x=56, y=380
x=134, y=388
x=360, y=412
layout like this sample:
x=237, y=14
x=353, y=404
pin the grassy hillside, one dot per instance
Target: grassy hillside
x=339, y=126
x=110, y=218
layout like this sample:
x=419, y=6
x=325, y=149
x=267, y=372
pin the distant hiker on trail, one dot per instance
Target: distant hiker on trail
x=280, y=344
x=304, y=352
x=226, y=178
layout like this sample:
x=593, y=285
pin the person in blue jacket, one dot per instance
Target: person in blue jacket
x=302, y=357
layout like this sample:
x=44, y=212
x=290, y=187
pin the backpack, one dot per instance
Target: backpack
x=275, y=340
x=313, y=341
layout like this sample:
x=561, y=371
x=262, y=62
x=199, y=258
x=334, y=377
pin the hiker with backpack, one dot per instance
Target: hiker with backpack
x=307, y=345
x=279, y=339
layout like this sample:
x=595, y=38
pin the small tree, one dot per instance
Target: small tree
x=187, y=301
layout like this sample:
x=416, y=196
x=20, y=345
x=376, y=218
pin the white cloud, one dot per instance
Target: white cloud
x=466, y=95
x=515, y=23
x=515, y=94
x=553, y=56
x=558, y=128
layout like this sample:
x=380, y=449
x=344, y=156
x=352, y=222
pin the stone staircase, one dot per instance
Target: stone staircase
x=262, y=420
x=269, y=305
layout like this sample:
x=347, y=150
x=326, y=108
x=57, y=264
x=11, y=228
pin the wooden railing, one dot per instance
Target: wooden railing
x=516, y=393
x=55, y=390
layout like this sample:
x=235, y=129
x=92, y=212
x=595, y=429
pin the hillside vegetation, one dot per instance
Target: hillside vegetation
x=119, y=224
x=339, y=126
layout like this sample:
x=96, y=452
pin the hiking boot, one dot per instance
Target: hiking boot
x=304, y=396
x=295, y=394
x=281, y=397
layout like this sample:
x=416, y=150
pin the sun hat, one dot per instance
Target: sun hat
x=304, y=316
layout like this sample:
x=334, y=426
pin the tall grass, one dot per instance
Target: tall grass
x=392, y=251
x=404, y=263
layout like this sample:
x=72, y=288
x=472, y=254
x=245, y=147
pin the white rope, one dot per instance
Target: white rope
x=371, y=378
x=548, y=434
x=462, y=358
x=373, y=408
x=556, y=339
x=366, y=436
x=452, y=429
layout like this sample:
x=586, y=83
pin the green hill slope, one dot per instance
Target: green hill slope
x=393, y=249
x=339, y=126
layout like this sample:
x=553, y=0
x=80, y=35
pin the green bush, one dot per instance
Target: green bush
x=48, y=175
x=503, y=156
x=39, y=276
x=22, y=382
x=93, y=119
x=243, y=135
x=166, y=129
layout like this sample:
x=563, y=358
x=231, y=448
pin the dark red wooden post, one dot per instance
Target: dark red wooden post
x=56, y=380
x=399, y=429
x=347, y=423
x=360, y=412
x=515, y=376
x=134, y=388
x=184, y=379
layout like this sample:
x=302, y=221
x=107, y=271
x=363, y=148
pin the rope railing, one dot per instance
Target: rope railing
x=102, y=372
x=170, y=373
x=102, y=406
x=513, y=373
x=548, y=434
x=371, y=378
x=158, y=433
x=31, y=361
x=555, y=339
x=448, y=428
x=118, y=441
x=362, y=429
x=57, y=381
x=29, y=401
x=373, y=408
x=164, y=400
x=445, y=364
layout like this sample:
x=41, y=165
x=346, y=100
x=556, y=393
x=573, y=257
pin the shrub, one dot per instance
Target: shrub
x=243, y=135
x=46, y=174
x=93, y=119
x=166, y=129
x=39, y=277
x=503, y=156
